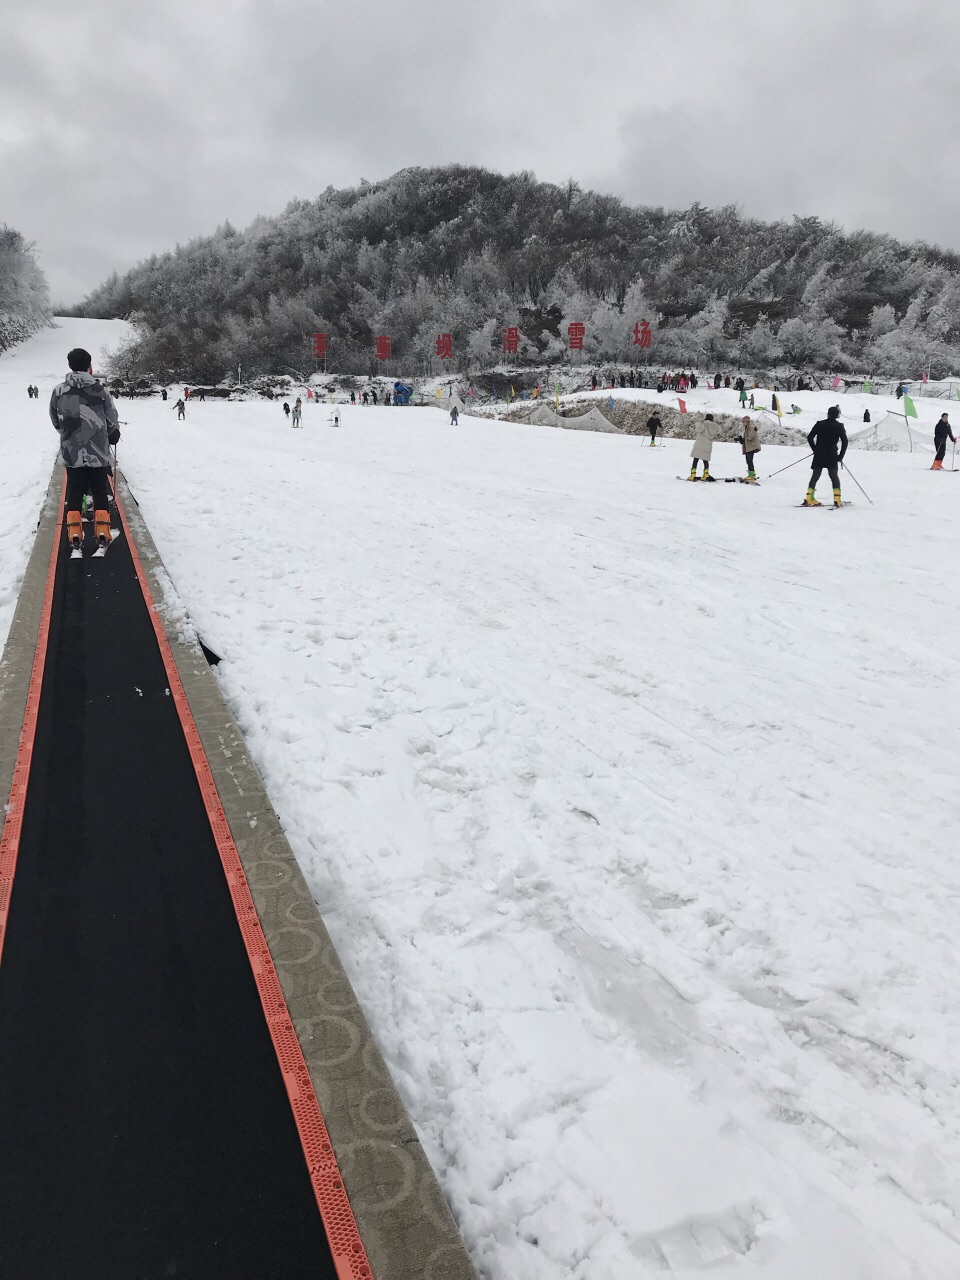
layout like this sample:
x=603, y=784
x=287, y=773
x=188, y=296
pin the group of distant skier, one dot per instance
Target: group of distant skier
x=827, y=440
x=86, y=419
x=296, y=413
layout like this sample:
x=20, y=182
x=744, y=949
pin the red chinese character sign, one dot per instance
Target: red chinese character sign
x=575, y=334
x=383, y=347
x=320, y=342
x=642, y=336
x=511, y=340
x=444, y=345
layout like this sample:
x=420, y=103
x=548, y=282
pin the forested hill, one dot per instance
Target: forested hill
x=24, y=300
x=464, y=251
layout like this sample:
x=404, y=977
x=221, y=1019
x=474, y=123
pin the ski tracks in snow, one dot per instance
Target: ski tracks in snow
x=615, y=795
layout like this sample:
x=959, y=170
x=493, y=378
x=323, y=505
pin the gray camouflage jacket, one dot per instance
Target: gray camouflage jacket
x=86, y=418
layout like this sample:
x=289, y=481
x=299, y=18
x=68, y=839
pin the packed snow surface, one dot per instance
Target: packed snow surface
x=631, y=807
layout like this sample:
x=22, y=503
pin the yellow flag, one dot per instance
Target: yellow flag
x=776, y=401
x=438, y=393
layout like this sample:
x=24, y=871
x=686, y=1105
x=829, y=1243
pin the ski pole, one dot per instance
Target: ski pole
x=858, y=484
x=789, y=465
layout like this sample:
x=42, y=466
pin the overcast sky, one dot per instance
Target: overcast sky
x=126, y=127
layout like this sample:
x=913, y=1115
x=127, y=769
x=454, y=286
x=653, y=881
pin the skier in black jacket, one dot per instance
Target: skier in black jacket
x=828, y=440
x=653, y=426
x=941, y=433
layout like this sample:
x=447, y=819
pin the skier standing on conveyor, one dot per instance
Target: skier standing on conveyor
x=86, y=419
x=941, y=433
x=828, y=440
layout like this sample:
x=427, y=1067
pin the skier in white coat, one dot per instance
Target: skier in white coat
x=703, y=448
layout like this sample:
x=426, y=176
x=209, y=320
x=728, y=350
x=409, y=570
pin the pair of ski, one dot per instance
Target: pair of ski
x=721, y=480
x=76, y=550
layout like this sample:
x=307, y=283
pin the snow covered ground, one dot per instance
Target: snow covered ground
x=631, y=807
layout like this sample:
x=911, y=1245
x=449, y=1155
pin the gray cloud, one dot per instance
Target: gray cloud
x=126, y=129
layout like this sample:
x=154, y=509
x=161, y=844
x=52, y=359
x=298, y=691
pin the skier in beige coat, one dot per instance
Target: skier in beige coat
x=750, y=440
x=703, y=448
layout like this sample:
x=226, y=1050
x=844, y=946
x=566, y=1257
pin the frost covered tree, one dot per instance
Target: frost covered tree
x=811, y=343
x=759, y=345
x=481, y=245
x=24, y=298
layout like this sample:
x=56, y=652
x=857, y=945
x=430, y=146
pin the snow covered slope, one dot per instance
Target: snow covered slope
x=27, y=440
x=631, y=805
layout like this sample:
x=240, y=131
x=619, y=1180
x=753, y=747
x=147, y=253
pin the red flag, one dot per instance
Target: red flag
x=682, y=404
x=925, y=378
x=836, y=382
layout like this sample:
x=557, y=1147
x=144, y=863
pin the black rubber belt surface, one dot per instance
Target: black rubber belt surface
x=145, y=1130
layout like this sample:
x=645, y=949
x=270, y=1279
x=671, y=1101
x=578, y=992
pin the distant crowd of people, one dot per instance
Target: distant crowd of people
x=682, y=381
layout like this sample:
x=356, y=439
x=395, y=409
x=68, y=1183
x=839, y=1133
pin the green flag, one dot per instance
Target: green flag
x=909, y=408
x=866, y=386
x=958, y=393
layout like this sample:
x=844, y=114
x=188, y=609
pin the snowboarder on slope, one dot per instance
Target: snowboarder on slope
x=653, y=426
x=941, y=433
x=703, y=448
x=750, y=440
x=828, y=440
x=86, y=418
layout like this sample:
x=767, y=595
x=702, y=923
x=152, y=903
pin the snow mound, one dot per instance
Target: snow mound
x=592, y=420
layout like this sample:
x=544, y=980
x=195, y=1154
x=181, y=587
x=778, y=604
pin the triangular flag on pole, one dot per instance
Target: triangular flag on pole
x=909, y=408
x=681, y=403
x=866, y=386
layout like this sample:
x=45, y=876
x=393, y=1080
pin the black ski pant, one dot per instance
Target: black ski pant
x=653, y=434
x=942, y=450
x=81, y=480
x=831, y=468
x=750, y=455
